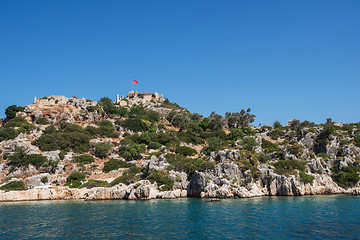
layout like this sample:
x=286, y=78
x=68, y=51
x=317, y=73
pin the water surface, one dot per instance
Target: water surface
x=307, y=217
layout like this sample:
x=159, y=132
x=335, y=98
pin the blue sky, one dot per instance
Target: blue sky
x=283, y=59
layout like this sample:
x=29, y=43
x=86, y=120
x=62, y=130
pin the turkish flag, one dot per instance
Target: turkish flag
x=134, y=82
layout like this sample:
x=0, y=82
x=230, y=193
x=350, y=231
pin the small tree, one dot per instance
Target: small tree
x=102, y=149
x=11, y=111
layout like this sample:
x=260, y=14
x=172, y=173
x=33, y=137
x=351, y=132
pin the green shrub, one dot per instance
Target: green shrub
x=62, y=154
x=270, y=147
x=152, y=116
x=132, y=151
x=346, y=176
x=7, y=133
x=20, y=159
x=306, y=178
x=188, y=165
x=44, y=180
x=264, y=158
x=16, y=122
x=249, y=143
x=13, y=186
x=288, y=167
x=323, y=155
x=185, y=151
x=11, y=111
x=42, y=121
x=103, y=149
x=106, y=129
x=69, y=137
x=162, y=179
x=84, y=159
x=344, y=142
x=214, y=144
x=276, y=134
x=91, y=183
x=189, y=137
x=74, y=180
x=219, y=134
x=129, y=176
x=296, y=149
x=36, y=160
x=114, y=164
x=91, y=108
x=135, y=124
x=357, y=139
x=154, y=145
x=236, y=134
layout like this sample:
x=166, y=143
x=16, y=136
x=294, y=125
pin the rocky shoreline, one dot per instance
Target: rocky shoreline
x=144, y=190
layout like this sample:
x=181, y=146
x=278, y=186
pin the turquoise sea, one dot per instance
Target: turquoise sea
x=307, y=217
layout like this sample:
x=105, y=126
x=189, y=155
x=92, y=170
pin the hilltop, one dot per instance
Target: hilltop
x=142, y=146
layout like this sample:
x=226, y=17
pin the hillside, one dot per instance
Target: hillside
x=142, y=146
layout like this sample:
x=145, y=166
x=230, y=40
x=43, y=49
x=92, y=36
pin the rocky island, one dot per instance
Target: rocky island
x=142, y=146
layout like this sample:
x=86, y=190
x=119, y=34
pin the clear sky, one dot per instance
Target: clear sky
x=283, y=59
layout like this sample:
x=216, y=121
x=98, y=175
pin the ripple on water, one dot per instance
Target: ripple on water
x=309, y=217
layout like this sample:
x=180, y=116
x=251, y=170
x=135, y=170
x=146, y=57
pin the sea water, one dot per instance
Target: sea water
x=307, y=217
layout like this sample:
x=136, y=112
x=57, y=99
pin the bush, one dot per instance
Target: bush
x=13, y=186
x=91, y=108
x=357, y=139
x=132, y=151
x=106, y=129
x=276, y=133
x=288, y=167
x=128, y=177
x=220, y=134
x=154, y=145
x=74, y=180
x=62, y=154
x=296, y=149
x=236, y=134
x=69, y=137
x=20, y=159
x=152, y=116
x=249, y=143
x=42, y=121
x=44, y=179
x=306, y=178
x=185, y=151
x=214, y=144
x=103, y=149
x=162, y=179
x=323, y=155
x=264, y=158
x=84, y=159
x=270, y=147
x=11, y=111
x=114, y=164
x=16, y=122
x=7, y=133
x=189, y=137
x=346, y=176
x=91, y=183
x=188, y=165
x=37, y=160
x=135, y=124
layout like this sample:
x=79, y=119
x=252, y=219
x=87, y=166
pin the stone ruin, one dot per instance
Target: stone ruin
x=134, y=97
x=52, y=100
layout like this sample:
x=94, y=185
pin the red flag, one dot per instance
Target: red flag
x=134, y=82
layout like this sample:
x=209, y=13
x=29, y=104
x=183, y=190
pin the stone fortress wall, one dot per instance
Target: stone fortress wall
x=134, y=97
